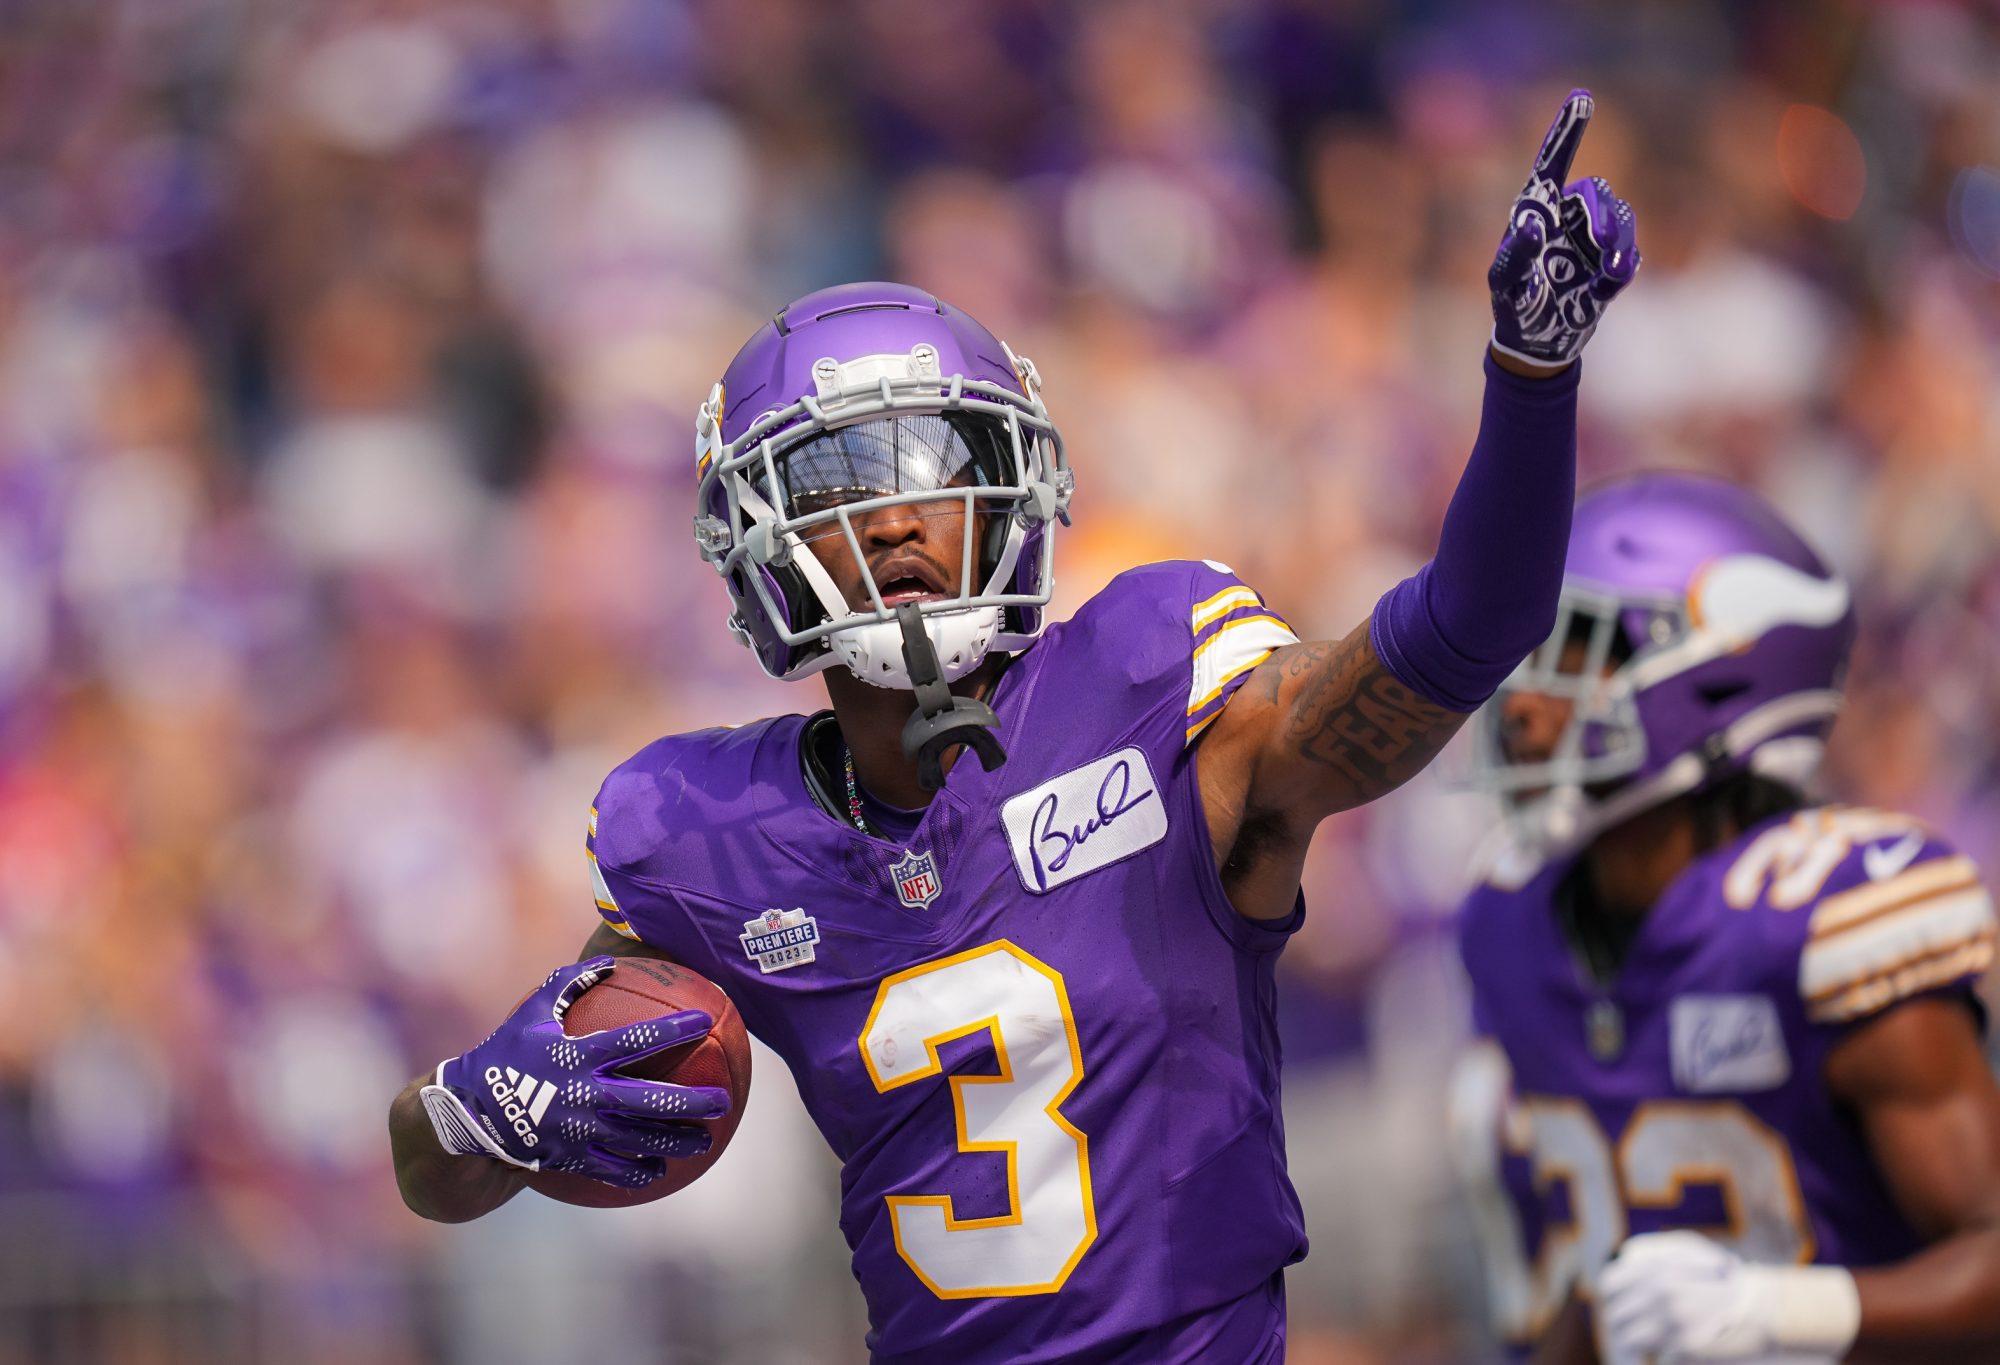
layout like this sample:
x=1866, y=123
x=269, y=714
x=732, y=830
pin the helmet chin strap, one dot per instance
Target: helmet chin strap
x=942, y=721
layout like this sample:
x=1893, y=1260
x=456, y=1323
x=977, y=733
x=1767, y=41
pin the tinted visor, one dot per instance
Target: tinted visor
x=892, y=455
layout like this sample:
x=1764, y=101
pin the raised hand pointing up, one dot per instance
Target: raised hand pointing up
x=1567, y=251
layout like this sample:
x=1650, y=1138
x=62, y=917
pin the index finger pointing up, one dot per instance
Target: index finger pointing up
x=1564, y=137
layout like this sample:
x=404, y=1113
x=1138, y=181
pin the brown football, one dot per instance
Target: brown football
x=645, y=988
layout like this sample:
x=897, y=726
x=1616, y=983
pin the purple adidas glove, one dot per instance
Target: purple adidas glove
x=534, y=1097
x=1566, y=253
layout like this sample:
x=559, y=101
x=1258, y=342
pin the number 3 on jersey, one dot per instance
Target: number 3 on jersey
x=1051, y=1220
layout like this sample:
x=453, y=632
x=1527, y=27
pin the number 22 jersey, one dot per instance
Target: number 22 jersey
x=1688, y=1090
x=1036, y=1033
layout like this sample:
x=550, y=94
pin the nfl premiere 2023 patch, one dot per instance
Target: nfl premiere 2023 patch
x=1084, y=820
x=916, y=879
x=780, y=939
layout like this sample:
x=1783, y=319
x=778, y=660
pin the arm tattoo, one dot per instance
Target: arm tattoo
x=1350, y=714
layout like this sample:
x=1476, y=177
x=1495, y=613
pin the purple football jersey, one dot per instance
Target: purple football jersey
x=1036, y=1033
x=1688, y=1091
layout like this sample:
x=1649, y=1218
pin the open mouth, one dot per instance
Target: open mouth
x=897, y=591
x=908, y=581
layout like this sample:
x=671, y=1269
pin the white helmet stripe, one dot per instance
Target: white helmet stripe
x=1735, y=602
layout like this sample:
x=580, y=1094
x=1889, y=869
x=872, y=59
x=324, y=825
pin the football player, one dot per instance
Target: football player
x=1027, y=996
x=1733, y=1034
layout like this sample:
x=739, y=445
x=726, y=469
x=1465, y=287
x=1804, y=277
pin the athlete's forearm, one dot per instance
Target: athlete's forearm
x=1941, y=1304
x=1455, y=631
x=1457, y=628
x=1359, y=717
x=444, y=1186
x=1352, y=730
x=435, y=1183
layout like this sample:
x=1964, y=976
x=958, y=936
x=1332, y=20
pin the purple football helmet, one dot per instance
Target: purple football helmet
x=1704, y=638
x=864, y=397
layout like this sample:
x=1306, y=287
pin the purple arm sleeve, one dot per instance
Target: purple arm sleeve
x=1453, y=631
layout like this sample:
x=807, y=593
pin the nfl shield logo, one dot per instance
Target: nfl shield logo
x=916, y=880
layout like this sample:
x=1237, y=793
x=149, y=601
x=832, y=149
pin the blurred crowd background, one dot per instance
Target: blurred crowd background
x=349, y=353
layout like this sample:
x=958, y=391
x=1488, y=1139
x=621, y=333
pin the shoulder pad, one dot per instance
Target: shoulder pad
x=1892, y=911
x=627, y=828
x=1188, y=623
x=1229, y=631
x=657, y=810
x=1232, y=631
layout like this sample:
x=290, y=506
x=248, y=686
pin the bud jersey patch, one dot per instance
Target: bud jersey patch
x=1087, y=819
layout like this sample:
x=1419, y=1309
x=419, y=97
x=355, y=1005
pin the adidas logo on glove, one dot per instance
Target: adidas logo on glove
x=523, y=1100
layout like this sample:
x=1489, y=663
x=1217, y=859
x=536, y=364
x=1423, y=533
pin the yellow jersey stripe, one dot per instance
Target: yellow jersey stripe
x=1208, y=720
x=1224, y=602
x=1238, y=645
x=607, y=904
x=1221, y=631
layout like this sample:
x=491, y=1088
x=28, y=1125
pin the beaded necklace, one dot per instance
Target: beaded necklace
x=854, y=794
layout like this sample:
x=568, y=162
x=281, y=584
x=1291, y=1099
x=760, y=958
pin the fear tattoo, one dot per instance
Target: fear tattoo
x=1350, y=714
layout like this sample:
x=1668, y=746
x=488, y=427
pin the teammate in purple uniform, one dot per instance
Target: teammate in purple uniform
x=1737, y=1041
x=1028, y=998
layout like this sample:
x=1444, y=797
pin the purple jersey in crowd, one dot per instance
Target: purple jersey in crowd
x=1688, y=1092
x=1036, y=1033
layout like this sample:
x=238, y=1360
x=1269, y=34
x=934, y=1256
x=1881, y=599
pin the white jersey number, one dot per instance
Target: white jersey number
x=1051, y=1220
x=1668, y=1145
